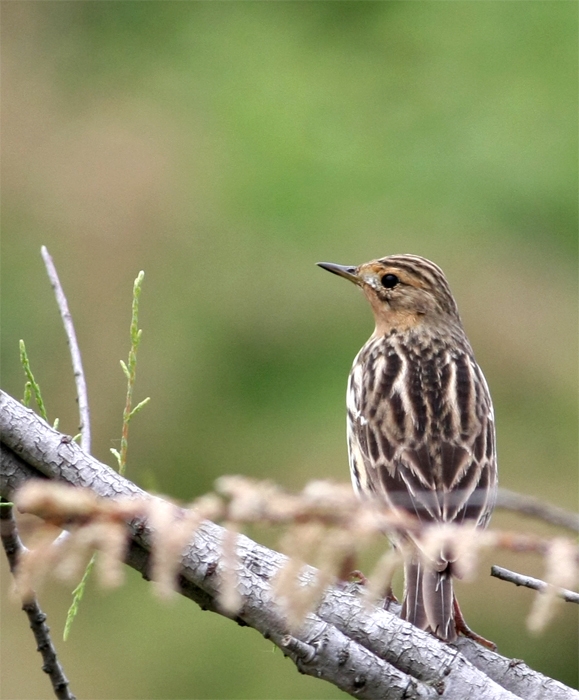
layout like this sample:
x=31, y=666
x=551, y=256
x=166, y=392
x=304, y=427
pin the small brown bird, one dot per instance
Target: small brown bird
x=421, y=434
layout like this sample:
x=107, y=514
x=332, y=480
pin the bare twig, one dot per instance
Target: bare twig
x=530, y=582
x=14, y=550
x=535, y=508
x=79, y=377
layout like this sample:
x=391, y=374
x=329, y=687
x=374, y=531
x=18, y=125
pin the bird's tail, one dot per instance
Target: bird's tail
x=428, y=600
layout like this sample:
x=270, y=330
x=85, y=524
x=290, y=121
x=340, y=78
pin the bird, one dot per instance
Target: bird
x=420, y=426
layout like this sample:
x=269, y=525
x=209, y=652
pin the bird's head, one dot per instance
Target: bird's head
x=405, y=291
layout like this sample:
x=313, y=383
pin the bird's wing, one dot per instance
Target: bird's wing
x=437, y=473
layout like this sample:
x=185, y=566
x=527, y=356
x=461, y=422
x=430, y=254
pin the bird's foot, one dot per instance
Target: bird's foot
x=465, y=630
x=357, y=576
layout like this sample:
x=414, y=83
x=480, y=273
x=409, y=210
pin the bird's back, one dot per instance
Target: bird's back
x=421, y=428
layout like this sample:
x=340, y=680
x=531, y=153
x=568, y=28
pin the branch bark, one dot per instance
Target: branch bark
x=75, y=356
x=367, y=652
x=51, y=665
x=530, y=582
x=534, y=508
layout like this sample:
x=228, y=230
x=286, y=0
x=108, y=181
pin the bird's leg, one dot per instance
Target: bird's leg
x=465, y=630
x=348, y=571
x=356, y=576
x=389, y=598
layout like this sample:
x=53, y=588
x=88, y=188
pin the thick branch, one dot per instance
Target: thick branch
x=199, y=580
x=368, y=652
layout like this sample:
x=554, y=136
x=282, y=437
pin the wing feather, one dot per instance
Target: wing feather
x=440, y=467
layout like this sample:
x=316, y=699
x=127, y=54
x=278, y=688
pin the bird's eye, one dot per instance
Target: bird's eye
x=390, y=281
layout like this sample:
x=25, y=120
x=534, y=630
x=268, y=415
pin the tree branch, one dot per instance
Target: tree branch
x=534, y=508
x=366, y=651
x=14, y=550
x=530, y=582
x=79, y=377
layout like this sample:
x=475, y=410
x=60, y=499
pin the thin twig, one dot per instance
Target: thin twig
x=14, y=550
x=530, y=582
x=79, y=377
x=535, y=508
x=81, y=394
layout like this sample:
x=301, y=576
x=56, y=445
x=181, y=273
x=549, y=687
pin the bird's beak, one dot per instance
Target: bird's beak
x=347, y=271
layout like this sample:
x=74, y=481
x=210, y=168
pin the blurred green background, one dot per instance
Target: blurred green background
x=224, y=148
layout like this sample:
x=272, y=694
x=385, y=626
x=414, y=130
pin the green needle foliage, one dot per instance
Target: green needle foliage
x=31, y=385
x=130, y=370
x=77, y=595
